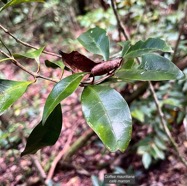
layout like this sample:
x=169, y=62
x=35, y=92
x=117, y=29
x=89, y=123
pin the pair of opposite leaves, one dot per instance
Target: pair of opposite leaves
x=80, y=63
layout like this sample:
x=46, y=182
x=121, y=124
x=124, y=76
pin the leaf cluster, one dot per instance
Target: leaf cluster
x=105, y=110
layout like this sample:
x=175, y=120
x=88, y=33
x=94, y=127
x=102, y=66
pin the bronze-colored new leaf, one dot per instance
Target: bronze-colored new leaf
x=106, y=67
x=77, y=62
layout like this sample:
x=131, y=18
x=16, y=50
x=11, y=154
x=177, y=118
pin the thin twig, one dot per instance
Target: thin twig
x=27, y=44
x=35, y=75
x=164, y=124
x=39, y=167
x=181, y=30
x=6, y=47
x=120, y=27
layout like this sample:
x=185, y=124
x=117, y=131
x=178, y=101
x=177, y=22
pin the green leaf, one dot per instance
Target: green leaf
x=148, y=46
x=54, y=65
x=152, y=68
x=160, y=143
x=11, y=91
x=159, y=153
x=162, y=135
x=33, y=54
x=108, y=114
x=146, y=160
x=96, y=41
x=128, y=64
x=138, y=114
x=16, y=2
x=45, y=135
x=143, y=149
x=153, y=153
x=61, y=90
x=126, y=46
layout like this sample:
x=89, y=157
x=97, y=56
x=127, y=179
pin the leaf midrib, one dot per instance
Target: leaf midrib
x=102, y=105
x=97, y=45
x=15, y=87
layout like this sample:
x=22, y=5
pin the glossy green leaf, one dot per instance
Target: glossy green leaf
x=16, y=2
x=61, y=90
x=11, y=91
x=45, y=135
x=96, y=41
x=126, y=46
x=152, y=68
x=148, y=46
x=146, y=160
x=54, y=65
x=108, y=114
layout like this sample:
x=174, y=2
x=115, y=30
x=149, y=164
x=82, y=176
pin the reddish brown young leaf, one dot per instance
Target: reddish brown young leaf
x=80, y=63
x=77, y=62
x=106, y=67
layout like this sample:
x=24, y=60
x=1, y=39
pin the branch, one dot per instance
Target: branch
x=27, y=44
x=120, y=27
x=6, y=47
x=35, y=75
x=39, y=167
x=164, y=124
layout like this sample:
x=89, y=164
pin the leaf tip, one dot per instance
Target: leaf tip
x=23, y=154
x=43, y=120
x=27, y=152
x=181, y=75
